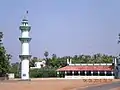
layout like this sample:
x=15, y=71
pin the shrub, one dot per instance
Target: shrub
x=43, y=72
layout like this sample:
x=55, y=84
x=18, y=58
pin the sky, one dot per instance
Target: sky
x=62, y=27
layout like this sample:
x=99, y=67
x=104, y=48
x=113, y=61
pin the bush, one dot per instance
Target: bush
x=43, y=73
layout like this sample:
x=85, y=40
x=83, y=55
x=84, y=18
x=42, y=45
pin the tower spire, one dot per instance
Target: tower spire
x=26, y=14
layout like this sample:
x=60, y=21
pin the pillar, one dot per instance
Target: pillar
x=98, y=73
x=105, y=73
x=73, y=73
x=91, y=73
x=85, y=73
x=79, y=72
x=112, y=73
x=58, y=73
x=65, y=72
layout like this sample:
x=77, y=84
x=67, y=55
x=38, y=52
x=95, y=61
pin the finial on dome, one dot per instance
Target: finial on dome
x=25, y=16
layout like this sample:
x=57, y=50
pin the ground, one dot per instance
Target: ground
x=46, y=84
x=115, y=89
x=118, y=88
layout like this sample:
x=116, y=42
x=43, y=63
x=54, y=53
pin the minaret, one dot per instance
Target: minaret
x=25, y=56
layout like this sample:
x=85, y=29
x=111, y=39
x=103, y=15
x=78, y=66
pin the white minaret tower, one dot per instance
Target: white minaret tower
x=25, y=56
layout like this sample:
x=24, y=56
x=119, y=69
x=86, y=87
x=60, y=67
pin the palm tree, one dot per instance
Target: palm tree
x=54, y=55
x=32, y=61
x=46, y=56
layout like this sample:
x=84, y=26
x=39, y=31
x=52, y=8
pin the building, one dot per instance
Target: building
x=25, y=56
x=39, y=64
x=117, y=67
x=87, y=71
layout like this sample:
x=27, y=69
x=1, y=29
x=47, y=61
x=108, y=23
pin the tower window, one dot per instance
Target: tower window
x=24, y=74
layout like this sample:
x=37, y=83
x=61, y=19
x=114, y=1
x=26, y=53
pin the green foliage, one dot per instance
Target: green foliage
x=15, y=68
x=58, y=62
x=32, y=61
x=96, y=58
x=46, y=54
x=43, y=72
x=1, y=36
x=4, y=62
x=4, y=59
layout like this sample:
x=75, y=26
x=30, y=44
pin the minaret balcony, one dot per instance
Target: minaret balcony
x=25, y=39
x=24, y=19
x=25, y=28
x=22, y=57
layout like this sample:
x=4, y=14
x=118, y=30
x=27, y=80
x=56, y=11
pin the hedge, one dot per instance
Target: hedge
x=42, y=73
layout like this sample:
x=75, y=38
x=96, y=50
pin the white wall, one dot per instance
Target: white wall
x=25, y=69
x=11, y=75
x=25, y=48
x=38, y=64
x=89, y=77
x=25, y=34
x=96, y=64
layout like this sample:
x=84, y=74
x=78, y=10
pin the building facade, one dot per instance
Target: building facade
x=87, y=71
x=39, y=64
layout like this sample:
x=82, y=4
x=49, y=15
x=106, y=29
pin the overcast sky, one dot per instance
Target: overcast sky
x=63, y=27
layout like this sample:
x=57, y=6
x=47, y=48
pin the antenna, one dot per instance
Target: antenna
x=26, y=14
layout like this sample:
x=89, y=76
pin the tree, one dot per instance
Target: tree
x=15, y=68
x=4, y=59
x=53, y=61
x=32, y=61
x=54, y=56
x=1, y=36
x=46, y=56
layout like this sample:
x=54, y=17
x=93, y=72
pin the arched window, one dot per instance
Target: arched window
x=69, y=73
x=82, y=73
x=88, y=73
x=102, y=73
x=76, y=73
x=108, y=73
x=95, y=73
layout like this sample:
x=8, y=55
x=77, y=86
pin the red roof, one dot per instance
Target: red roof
x=86, y=68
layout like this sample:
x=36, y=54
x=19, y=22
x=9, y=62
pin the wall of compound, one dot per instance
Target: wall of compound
x=89, y=77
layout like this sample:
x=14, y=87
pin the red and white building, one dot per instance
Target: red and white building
x=87, y=71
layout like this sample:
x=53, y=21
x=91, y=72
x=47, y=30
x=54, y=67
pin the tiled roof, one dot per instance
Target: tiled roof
x=86, y=68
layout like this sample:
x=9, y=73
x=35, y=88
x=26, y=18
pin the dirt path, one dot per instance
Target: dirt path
x=43, y=85
x=109, y=86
